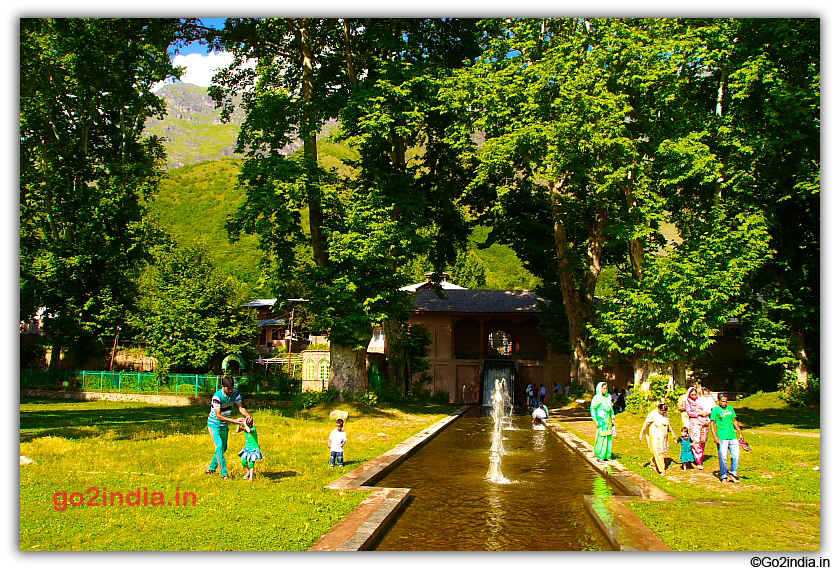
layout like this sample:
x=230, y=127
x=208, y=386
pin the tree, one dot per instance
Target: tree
x=379, y=77
x=569, y=125
x=189, y=313
x=769, y=132
x=85, y=167
x=669, y=314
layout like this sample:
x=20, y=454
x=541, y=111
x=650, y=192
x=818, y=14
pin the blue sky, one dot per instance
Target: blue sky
x=195, y=47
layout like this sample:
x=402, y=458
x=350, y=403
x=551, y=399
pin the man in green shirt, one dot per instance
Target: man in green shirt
x=724, y=427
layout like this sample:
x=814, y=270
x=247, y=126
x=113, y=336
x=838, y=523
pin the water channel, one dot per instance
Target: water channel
x=455, y=507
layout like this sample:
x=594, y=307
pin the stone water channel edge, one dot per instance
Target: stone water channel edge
x=361, y=529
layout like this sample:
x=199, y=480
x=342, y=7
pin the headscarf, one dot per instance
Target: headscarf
x=696, y=393
x=600, y=399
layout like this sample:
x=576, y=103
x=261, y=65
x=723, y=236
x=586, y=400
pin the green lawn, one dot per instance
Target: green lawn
x=121, y=447
x=777, y=504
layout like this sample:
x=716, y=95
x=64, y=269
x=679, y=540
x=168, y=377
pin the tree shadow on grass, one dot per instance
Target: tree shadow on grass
x=124, y=422
x=278, y=475
x=796, y=418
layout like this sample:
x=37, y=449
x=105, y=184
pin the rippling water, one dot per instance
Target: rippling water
x=455, y=508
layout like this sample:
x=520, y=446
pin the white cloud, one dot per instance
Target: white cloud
x=199, y=68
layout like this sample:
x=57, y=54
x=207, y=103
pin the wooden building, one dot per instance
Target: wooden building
x=476, y=333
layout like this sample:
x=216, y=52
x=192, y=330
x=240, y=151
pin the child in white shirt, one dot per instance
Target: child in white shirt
x=338, y=437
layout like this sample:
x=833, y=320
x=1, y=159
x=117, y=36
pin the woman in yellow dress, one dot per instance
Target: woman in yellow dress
x=656, y=428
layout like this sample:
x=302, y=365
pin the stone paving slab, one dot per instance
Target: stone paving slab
x=621, y=526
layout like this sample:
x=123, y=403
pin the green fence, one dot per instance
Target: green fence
x=145, y=383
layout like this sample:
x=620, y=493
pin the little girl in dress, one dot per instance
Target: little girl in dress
x=251, y=453
x=686, y=456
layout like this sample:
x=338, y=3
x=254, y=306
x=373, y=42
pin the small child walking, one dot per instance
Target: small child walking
x=338, y=437
x=686, y=455
x=251, y=453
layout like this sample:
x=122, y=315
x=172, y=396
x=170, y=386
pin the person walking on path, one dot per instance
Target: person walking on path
x=686, y=455
x=656, y=429
x=724, y=428
x=542, y=393
x=217, y=423
x=601, y=411
x=698, y=425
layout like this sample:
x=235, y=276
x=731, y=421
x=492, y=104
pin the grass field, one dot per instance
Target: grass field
x=776, y=507
x=96, y=448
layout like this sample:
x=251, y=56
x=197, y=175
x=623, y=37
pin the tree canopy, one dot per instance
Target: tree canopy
x=85, y=165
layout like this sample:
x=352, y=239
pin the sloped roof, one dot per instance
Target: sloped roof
x=446, y=285
x=476, y=301
x=260, y=303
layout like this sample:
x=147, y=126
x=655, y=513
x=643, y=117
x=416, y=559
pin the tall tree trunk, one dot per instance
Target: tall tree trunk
x=310, y=145
x=578, y=304
x=641, y=370
x=678, y=373
x=55, y=353
x=347, y=369
x=397, y=374
x=798, y=347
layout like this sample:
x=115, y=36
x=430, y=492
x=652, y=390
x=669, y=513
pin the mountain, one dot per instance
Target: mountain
x=193, y=128
x=199, y=190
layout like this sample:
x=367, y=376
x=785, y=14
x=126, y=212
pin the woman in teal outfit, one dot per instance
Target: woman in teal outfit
x=602, y=414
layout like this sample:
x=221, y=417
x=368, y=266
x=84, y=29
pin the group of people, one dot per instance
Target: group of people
x=535, y=396
x=221, y=405
x=699, y=412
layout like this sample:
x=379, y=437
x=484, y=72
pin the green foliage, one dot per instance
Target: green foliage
x=189, y=313
x=560, y=400
x=658, y=386
x=322, y=346
x=368, y=398
x=410, y=348
x=796, y=393
x=279, y=385
x=685, y=294
x=85, y=166
x=577, y=390
x=309, y=398
x=638, y=402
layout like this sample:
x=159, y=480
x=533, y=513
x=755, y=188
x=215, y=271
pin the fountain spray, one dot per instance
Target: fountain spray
x=494, y=474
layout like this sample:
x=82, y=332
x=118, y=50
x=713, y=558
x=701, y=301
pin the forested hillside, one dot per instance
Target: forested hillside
x=199, y=189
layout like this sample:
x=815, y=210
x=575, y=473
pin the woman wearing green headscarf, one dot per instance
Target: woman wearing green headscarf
x=602, y=414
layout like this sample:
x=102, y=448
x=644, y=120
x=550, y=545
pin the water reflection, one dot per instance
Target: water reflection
x=455, y=508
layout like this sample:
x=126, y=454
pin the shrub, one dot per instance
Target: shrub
x=321, y=346
x=441, y=397
x=309, y=399
x=33, y=356
x=576, y=391
x=389, y=394
x=658, y=386
x=797, y=394
x=369, y=398
x=560, y=400
x=638, y=401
